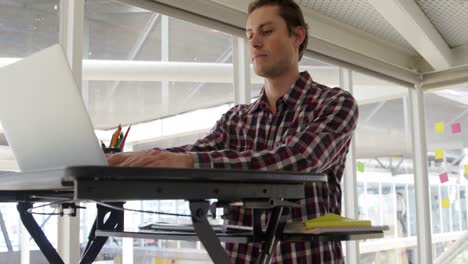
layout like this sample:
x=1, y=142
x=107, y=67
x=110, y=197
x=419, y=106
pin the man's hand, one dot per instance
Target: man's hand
x=150, y=158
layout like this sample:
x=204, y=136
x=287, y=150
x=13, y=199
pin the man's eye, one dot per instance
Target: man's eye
x=267, y=32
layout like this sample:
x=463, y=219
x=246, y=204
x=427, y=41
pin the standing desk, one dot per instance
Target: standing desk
x=258, y=190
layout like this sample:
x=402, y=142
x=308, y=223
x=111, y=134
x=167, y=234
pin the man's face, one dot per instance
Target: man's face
x=272, y=49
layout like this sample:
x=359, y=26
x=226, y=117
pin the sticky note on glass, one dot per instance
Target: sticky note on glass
x=456, y=128
x=439, y=154
x=443, y=177
x=445, y=203
x=439, y=127
x=466, y=169
x=360, y=166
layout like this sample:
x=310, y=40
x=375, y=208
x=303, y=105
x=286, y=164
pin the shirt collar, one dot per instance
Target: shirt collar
x=290, y=98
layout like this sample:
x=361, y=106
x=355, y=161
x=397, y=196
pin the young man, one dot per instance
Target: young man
x=296, y=125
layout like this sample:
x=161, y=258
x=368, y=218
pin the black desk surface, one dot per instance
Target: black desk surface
x=65, y=179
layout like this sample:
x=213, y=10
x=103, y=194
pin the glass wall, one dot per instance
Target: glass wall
x=159, y=108
x=385, y=170
x=446, y=123
x=25, y=27
x=171, y=103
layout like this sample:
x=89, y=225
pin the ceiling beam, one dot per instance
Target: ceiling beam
x=343, y=35
x=413, y=25
x=326, y=35
x=454, y=77
x=460, y=55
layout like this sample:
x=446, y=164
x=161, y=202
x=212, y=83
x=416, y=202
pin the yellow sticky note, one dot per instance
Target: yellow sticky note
x=439, y=127
x=466, y=169
x=445, y=203
x=439, y=154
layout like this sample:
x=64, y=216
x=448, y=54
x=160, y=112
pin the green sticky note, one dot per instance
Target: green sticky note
x=445, y=203
x=360, y=166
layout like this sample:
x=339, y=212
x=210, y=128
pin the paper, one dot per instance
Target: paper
x=456, y=128
x=445, y=203
x=360, y=166
x=439, y=127
x=466, y=169
x=443, y=177
x=334, y=220
x=439, y=154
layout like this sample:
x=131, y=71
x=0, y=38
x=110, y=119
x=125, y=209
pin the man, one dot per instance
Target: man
x=296, y=125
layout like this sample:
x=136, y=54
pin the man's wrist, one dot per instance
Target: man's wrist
x=188, y=160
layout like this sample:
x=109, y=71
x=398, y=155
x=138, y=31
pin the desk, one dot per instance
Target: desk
x=253, y=189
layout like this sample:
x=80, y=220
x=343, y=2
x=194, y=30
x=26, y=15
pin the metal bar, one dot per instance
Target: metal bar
x=374, y=111
x=37, y=234
x=350, y=180
x=199, y=211
x=138, y=45
x=5, y=234
x=116, y=191
x=454, y=250
x=222, y=59
x=171, y=235
x=273, y=233
x=241, y=64
x=462, y=114
x=421, y=177
x=71, y=39
x=407, y=124
x=114, y=222
x=165, y=95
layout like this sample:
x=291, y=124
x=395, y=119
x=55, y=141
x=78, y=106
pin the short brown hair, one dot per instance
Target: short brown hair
x=290, y=12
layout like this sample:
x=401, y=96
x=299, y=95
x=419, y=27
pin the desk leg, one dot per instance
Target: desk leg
x=37, y=234
x=258, y=235
x=115, y=221
x=206, y=234
x=275, y=228
x=5, y=234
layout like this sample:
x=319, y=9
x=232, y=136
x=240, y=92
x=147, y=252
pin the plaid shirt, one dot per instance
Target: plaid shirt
x=310, y=132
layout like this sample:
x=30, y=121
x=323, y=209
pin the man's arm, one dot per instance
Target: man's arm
x=177, y=157
x=215, y=140
x=316, y=148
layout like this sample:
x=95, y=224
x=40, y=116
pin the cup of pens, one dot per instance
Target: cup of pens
x=117, y=142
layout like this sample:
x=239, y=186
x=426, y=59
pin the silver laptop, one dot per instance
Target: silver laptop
x=43, y=116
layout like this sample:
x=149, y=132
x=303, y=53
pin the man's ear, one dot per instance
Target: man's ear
x=299, y=35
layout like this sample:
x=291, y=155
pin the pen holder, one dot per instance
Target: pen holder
x=111, y=150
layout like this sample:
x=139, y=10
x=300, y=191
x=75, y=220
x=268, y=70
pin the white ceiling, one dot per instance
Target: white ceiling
x=450, y=18
x=359, y=14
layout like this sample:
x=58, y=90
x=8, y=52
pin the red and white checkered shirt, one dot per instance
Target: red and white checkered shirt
x=310, y=132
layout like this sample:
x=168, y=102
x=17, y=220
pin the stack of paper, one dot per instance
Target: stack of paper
x=333, y=223
x=334, y=220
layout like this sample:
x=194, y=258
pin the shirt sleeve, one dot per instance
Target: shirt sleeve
x=316, y=148
x=216, y=140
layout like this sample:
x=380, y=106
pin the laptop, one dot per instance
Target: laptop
x=43, y=116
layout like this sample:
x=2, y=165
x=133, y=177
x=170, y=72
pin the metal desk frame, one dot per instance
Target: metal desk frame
x=258, y=190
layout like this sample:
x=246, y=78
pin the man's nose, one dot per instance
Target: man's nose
x=256, y=41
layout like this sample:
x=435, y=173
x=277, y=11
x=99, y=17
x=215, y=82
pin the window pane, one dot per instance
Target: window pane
x=385, y=165
x=26, y=27
x=158, y=90
x=446, y=123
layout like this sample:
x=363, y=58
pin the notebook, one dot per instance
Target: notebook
x=43, y=116
x=333, y=223
x=334, y=220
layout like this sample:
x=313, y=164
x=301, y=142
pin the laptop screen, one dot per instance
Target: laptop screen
x=43, y=116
